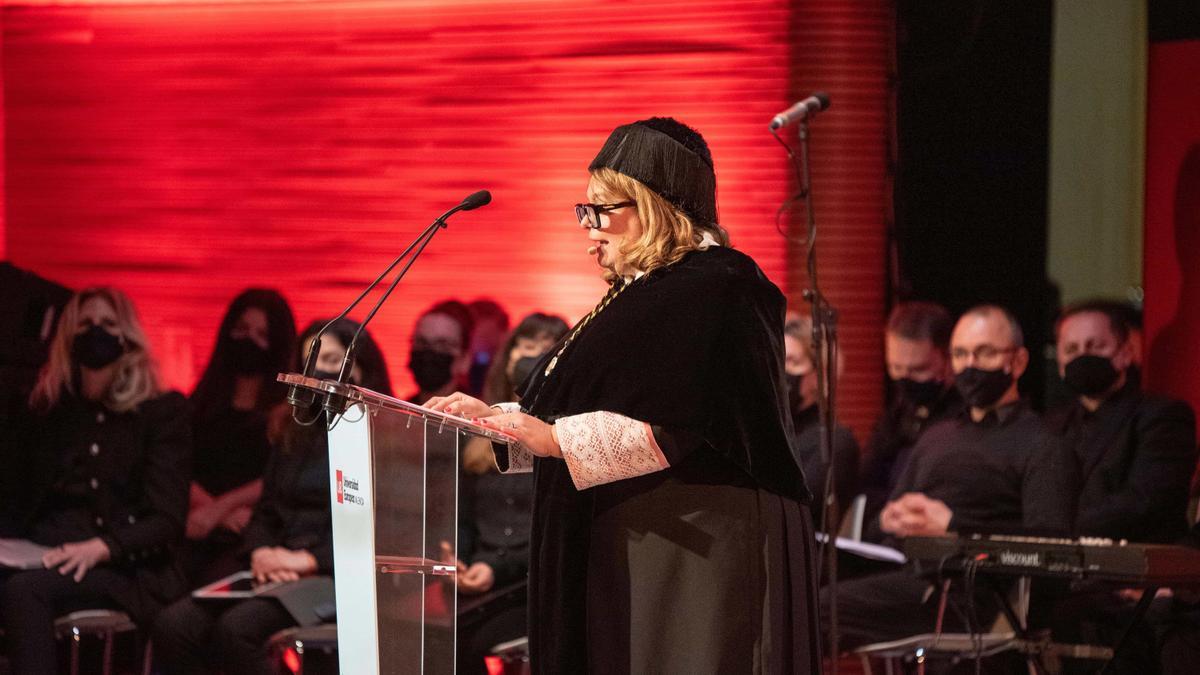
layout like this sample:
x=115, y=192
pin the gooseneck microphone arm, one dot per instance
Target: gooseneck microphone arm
x=333, y=404
x=300, y=399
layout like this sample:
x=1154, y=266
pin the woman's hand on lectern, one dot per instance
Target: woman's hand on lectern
x=537, y=436
x=461, y=405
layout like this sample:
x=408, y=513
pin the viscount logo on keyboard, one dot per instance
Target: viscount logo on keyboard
x=1015, y=559
x=1094, y=559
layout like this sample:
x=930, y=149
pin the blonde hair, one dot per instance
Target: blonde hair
x=667, y=232
x=136, y=378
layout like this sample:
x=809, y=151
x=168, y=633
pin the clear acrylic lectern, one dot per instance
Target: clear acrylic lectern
x=393, y=471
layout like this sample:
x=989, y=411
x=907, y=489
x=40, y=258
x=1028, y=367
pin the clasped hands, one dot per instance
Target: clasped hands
x=206, y=513
x=535, y=435
x=475, y=579
x=275, y=563
x=915, y=515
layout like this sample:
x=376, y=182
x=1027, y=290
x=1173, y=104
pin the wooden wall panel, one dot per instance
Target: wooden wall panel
x=184, y=151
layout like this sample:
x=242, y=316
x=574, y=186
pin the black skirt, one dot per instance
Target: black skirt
x=702, y=578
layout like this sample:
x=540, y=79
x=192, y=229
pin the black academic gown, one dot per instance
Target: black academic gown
x=702, y=567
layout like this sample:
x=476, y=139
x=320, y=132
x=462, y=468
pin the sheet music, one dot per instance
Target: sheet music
x=866, y=550
x=21, y=554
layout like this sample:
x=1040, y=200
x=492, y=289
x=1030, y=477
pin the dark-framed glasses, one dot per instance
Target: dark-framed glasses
x=981, y=354
x=588, y=215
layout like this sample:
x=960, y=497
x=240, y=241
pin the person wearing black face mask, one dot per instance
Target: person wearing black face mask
x=494, y=510
x=917, y=353
x=800, y=368
x=231, y=403
x=103, y=462
x=289, y=536
x=1128, y=456
x=1124, y=465
x=968, y=473
x=440, y=359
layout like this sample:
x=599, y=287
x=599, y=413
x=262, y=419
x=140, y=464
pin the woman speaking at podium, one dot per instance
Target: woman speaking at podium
x=670, y=532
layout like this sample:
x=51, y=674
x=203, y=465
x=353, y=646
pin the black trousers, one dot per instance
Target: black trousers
x=201, y=636
x=894, y=605
x=31, y=600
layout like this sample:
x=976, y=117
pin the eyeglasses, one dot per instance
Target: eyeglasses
x=588, y=215
x=982, y=353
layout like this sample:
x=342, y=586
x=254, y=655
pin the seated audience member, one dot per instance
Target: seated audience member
x=1126, y=457
x=495, y=510
x=1124, y=461
x=965, y=474
x=917, y=352
x=105, y=478
x=230, y=406
x=440, y=359
x=490, y=328
x=800, y=365
x=289, y=535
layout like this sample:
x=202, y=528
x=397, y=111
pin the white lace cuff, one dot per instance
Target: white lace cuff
x=520, y=460
x=602, y=447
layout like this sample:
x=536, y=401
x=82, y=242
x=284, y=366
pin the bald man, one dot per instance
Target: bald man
x=967, y=474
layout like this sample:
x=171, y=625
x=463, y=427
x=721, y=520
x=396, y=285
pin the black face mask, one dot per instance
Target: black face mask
x=96, y=348
x=1090, y=375
x=247, y=358
x=431, y=369
x=981, y=388
x=325, y=374
x=920, y=393
x=523, y=368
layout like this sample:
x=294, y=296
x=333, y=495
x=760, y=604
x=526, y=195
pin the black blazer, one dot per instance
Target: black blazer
x=90, y=472
x=294, y=510
x=1133, y=479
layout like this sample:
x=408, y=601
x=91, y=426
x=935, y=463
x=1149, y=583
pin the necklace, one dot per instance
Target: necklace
x=611, y=295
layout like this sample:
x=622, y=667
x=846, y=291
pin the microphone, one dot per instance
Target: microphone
x=803, y=110
x=298, y=399
x=474, y=201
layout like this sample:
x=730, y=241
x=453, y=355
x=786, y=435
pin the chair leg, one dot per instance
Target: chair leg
x=108, y=652
x=74, y=651
x=148, y=657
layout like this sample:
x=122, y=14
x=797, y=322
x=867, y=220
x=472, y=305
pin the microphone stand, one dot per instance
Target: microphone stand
x=335, y=405
x=824, y=337
x=299, y=398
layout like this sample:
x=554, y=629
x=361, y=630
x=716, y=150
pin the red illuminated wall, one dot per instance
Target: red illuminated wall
x=1172, y=245
x=184, y=151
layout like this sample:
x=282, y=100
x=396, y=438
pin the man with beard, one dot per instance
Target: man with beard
x=965, y=474
x=917, y=352
x=440, y=358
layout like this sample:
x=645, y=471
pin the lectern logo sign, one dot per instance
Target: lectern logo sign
x=346, y=489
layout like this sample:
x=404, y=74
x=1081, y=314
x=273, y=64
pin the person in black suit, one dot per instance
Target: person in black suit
x=289, y=537
x=1126, y=457
x=104, y=464
x=1122, y=468
x=967, y=474
x=917, y=354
